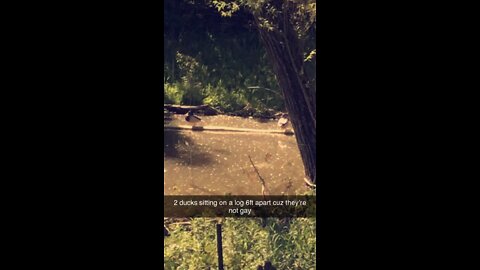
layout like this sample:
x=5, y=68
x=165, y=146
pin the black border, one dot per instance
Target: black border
x=87, y=139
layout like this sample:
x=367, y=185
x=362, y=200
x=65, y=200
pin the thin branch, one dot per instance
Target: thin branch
x=262, y=181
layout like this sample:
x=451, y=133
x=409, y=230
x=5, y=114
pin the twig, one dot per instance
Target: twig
x=262, y=181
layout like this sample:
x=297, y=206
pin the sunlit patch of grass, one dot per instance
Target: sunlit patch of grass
x=246, y=244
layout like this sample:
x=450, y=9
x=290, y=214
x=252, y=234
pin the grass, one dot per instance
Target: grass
x=246, y=244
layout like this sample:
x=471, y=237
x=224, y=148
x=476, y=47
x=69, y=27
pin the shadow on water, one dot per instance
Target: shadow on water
x=180, y=147
x=170, y=140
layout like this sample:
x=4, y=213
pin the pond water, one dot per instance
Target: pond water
x=214, y=163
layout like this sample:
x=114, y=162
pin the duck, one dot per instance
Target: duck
x=192, y=118
x=283, y=121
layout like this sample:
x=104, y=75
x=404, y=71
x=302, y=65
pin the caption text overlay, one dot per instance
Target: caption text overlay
x=239, y=206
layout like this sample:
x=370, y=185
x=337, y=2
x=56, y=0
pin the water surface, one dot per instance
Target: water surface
x=214, y=163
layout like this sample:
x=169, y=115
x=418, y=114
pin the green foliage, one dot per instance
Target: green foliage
x=171, y=94
x=246, y=244
x=198, y=84
x=213, y=52
x=214, y=59
x=225, y=99
x=191, y=249
x=270, y=15
x=191, y=93
x=296, y=248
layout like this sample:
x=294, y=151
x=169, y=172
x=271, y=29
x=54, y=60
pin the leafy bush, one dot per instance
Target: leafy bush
x=222, y=81
x=194, y=93
x=220, y=97
x=171, y=94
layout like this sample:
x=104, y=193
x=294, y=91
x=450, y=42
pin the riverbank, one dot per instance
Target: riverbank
x=246, y=112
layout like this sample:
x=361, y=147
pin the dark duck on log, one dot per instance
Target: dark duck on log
x=192, y=118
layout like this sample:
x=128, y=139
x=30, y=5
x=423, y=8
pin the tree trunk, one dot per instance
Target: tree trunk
x=282, y=46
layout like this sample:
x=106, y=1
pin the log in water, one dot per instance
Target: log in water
x=229, y=129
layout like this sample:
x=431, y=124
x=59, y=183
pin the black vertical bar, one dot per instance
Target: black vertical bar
x=219, y=246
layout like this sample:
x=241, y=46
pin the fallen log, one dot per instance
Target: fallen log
x=229, y=129
x=182, y=109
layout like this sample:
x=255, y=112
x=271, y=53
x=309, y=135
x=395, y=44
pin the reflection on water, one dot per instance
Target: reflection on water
x=208, y=163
